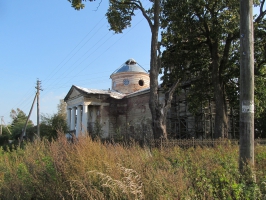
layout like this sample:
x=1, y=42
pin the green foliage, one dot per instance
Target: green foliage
x=198, y=34
x=51, y=125
x=19, y=119
x=120, y=14
x=191, y=31
x=77, y=4
x=5, y=130
x=260, y=73
x=4, y=140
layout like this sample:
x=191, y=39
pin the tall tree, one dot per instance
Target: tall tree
x=205, y=33
x=119, y=15
x=19, y=119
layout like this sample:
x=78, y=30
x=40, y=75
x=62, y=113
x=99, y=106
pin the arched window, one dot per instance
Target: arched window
x=141, y=82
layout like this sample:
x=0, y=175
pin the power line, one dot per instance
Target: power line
x=53, y=73
x=122, y=36
x=73, y=52
x=91, y=49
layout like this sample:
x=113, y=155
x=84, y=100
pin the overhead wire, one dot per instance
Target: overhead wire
x=28, y=98
x=71, y=55
x=123, y=35
x=68, y=55
x=25, y=101
x=74, y=65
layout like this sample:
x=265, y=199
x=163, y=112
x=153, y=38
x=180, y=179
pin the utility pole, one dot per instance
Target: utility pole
x=25, y=126
x=246, y=124
x=38, y=87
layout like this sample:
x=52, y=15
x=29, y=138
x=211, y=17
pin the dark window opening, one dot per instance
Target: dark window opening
x=141, y=82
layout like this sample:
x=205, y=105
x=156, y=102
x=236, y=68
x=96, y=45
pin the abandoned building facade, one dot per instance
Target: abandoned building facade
x=118, y=111
x=123, y=111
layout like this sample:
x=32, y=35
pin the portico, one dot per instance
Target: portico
x=87, y=107
x=77, y=119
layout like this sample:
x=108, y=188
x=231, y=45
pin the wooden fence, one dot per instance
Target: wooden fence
x=187, y=143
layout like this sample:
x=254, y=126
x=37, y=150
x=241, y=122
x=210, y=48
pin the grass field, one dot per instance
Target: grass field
x=87, y=169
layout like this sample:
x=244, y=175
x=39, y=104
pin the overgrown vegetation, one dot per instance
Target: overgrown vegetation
x=87, y=169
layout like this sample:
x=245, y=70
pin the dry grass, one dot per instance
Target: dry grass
x=88, y=169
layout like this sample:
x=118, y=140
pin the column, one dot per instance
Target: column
x=84, y=119
x=78, y=125
x=73, y=119
x=69, y=118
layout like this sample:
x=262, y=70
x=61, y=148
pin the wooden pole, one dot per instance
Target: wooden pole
x=25, y=126
x=38, y=87
x=246, y=84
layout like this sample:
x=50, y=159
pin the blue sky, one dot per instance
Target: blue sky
x=50, y=41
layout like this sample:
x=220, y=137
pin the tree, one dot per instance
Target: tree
x=5, y=130
x=5, y=137
x=19, y=119
x=52, y=124
x=119, y=16
x=204, y=34
x=260, y=71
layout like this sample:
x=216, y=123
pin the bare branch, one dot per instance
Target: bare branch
x=262, y=12
x=169, y=95
x=227, y=46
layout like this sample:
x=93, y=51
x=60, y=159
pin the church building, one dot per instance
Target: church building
x=122, y=111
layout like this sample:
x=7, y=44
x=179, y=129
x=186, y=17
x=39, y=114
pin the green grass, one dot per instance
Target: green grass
x=91, y=170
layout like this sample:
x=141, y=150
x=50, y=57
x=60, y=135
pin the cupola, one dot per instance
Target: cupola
x=130, y=77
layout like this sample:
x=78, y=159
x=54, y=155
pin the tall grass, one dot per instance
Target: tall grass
x=87, y=169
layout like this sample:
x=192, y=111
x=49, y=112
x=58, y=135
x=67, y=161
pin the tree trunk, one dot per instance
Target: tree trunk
x=221, y=119
x=221, y=116
x=157, y=111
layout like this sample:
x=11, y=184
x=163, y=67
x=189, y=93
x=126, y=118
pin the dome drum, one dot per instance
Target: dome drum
x=130, y=77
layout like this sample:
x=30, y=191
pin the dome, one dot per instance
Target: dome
x=130, y=77
x=130, y=66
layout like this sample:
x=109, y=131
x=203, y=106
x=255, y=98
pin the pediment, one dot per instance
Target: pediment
x=74, y=93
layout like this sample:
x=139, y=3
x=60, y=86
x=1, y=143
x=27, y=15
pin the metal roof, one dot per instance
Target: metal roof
x=130, y=66
x=112, y=93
